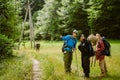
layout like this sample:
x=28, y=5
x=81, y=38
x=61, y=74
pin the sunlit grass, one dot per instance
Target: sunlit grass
x=55, y=57
x=15, y=68
x=51, y=62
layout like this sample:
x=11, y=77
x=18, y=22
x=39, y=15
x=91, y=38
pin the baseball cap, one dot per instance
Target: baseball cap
x=75, y=31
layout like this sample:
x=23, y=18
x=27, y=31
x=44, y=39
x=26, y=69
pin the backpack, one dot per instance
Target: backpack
x=64, y=45
x=87, y=49
x=91, y=51
x=107, y=45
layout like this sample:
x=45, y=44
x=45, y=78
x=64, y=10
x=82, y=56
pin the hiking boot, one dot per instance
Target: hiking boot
x=102, y=74
x=87, y=75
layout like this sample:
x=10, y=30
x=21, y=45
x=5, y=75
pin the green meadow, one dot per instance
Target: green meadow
x=19, y=67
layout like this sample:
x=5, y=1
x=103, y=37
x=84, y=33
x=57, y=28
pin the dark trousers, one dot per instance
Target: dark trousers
x=86, y=65
x=67, y=61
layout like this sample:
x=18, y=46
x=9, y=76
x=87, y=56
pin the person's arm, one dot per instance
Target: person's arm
x=75, y=45
x=65, y=37
x=102, y=47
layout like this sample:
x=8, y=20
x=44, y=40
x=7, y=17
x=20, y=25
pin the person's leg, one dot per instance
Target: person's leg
x=87, y=66
x=70, y=61
x=105, y=67
x=102, y=67
x=66, y=62
x=83, y=63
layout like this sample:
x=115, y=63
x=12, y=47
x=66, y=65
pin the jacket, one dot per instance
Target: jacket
x=70, y=42
x=84, y=48
x=99, y=48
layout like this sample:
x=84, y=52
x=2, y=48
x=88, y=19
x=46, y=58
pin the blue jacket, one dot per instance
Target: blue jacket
x=70, y=42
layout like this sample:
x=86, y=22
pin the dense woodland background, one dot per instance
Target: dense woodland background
x=54, y=17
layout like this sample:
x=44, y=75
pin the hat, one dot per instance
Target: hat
x=75, y=31
x=82, y=35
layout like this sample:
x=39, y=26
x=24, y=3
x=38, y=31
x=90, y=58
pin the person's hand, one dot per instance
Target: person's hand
x=74, y=49
x=97, y=49
x=60, y=36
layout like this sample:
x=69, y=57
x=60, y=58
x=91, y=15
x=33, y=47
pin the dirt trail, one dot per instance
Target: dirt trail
x=37, y=73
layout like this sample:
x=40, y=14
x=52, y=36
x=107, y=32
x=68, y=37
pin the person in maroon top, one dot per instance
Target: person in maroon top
x=99, y=48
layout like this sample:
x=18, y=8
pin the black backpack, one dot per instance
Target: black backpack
x=91, y=51
x=87, y=49
x=107, y=45
x=64, y=45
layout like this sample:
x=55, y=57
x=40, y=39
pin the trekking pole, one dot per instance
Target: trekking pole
x=92, y=61
x=76, y=61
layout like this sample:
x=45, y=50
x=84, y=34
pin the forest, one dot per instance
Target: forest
x=43, y=21
x=51, y=18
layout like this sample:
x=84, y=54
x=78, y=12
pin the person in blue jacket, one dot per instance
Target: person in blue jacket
x=69, y=46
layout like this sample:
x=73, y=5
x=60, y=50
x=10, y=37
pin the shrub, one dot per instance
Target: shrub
x=5, y=46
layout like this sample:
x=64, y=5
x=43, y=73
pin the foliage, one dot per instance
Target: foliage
x=104, y=17
x=17, y=67
x=111, y=19
x=35, y=5
x=61, y=17
x=5, y=46
x=87, y=16
x=9, y=18
x=47, y=18
x=72, y=16
x=54, y=17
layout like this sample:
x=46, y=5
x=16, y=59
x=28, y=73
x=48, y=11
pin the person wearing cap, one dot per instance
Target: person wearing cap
x=85, y=56
x=69, y=47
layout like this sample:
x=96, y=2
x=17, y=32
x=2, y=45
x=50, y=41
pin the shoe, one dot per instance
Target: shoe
x=102, y=74
x=87, y=75
x=86, y=78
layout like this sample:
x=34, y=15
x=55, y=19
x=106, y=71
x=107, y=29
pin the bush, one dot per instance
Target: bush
x=5, y=46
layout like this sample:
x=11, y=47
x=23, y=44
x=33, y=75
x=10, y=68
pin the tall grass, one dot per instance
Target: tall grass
x=51, y=63
x=53, y=58
x=17, y=67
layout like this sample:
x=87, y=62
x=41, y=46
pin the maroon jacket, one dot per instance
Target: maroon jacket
x=99, y=48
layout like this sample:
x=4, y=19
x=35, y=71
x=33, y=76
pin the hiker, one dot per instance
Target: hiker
x=99, y=48
x=85, y=55
x=92, y=39
x=68, y=48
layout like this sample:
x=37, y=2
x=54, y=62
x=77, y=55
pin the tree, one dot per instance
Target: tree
x=5, y=47
x=62, y=17
x=104, y=17
x=9, y=18
x=35, y=5
x=111, y=19
x=93, y=11
x=47, y=19
x=72, y=16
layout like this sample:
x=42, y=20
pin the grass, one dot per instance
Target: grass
x=51, y=62
x=55, y=56
x=17, y=67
